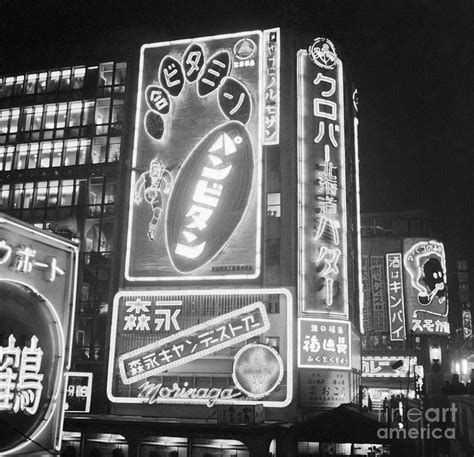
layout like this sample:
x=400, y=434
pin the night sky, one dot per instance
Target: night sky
x=413, y=63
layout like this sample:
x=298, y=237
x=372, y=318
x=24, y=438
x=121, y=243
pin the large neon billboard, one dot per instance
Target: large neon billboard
x=166, y=344
x=322, y=218
x=426, y=291
x=195, y=195
x=38, y=275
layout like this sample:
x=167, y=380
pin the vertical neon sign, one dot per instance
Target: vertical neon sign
x=322, y=220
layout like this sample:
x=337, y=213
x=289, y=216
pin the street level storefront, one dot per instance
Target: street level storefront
x=148, y=437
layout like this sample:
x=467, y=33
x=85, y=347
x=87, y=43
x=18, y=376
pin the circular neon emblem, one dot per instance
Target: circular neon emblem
x=258, y=370
x=323, y=53
x=244, y=48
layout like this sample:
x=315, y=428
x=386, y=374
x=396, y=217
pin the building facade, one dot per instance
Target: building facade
x=212, y=184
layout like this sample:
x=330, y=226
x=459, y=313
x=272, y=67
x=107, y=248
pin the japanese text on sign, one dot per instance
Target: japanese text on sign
x=381, y=367
x=194, y=342
x=323, y=344
x=20, y=377
x=322, y=188
x=22, y=259
x=271, y=122
x=395, y=297
x=379, y=298
x=324, y=388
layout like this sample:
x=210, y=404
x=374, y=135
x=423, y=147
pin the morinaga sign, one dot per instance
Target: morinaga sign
x=38, y=274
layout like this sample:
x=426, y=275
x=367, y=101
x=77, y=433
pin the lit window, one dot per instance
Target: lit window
x=120, y=73
x=78, y=78
x=50, y=117
x=8, y=158
x=4, y=120
x=38, y=117
x=106, y=71
x=4, y=194
x=53, y=193
x=84, y=146
x=75, y=110
x=14, y=120
x=28, y=195
x=45, y=160
x=31, y=83
x=62, y=112
x=19, y=84
x=98, y=149
x=33, y=156
x=67, y=192
x=17, y=196
x=70, y=154
x=114, y=149
x=57, y=153
x=65, y=79
x=8, y=88
x=102, y=111
x=117, y=111
x=273, y=205
x=21, y=156
x=53, y=82
x=88, y=114
x=43, y=77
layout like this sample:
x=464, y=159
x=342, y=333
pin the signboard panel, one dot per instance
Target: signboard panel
x=396, y=304
x=271, y=68
x=324, y=388
x=201, y=347
x=78, y=392
x=425, y=282
x=195, y=196
x=382, y=367
x=324, y=343
x=323, y=277
x=38, y=273
x=379, y=294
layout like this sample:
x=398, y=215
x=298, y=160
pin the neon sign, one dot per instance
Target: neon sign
x=258, y=370
x=193, y=343
x=381, y=367
x=158, y=335
x=426, y=286
x=271, y=115
x=395, y=297
x=324, y=343
x=36, y=322
x=321, y=188
x=195, y=196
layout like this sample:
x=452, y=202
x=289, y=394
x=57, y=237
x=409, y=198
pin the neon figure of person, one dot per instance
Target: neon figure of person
x=150, y=186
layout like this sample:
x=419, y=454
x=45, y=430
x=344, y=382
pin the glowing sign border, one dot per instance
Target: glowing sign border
x=60, y=375
x=187, y=292
x=328, y=322
x=411, y=361
x=83, y=374
x=258, y=167
x=72, y=251
x=302, y=57
x=398, y=256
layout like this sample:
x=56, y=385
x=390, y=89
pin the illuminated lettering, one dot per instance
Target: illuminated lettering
x=5, y=252
x=20, y=380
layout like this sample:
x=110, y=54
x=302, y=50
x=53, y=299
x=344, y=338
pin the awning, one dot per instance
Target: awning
x=345, y=424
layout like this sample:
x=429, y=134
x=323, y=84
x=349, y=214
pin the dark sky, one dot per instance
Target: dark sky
x=413, y=62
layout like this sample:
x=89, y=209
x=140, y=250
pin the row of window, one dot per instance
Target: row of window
x=47, y=154
x=52, y=119
x=105, y=75
x=95, y=193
